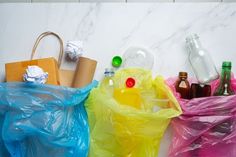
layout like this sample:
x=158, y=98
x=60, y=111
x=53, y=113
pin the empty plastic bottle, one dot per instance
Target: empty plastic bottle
x=107, y=84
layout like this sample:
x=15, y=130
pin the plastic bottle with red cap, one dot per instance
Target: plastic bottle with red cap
x=128, y=96
x=130, y=82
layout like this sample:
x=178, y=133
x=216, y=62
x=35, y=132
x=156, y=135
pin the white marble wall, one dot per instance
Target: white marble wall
x=28, y=1
x=108, y=29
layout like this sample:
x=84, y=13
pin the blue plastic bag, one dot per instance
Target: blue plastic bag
x=43, y=120
x=3, y=150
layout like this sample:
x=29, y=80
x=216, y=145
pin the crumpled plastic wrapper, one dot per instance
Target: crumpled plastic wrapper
x=35, y=74
x=74, y=49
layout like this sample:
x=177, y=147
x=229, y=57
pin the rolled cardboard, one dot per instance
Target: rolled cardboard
x=66, y=77
x=84, y=72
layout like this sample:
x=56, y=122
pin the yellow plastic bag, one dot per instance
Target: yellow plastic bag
x=122, y=131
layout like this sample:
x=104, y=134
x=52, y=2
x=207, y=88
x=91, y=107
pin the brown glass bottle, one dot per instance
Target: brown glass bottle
x=182, y=85
x=200, y=90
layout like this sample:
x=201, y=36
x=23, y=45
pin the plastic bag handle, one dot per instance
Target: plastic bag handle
x=40, y=37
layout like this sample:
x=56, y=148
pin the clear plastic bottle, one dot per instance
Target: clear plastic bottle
x=201, y=61
x=107, y=84
x=138, y=57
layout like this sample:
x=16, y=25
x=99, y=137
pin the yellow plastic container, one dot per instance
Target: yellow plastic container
x=128, y=96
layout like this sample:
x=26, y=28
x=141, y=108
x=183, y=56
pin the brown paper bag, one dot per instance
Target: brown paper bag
x=15, y=71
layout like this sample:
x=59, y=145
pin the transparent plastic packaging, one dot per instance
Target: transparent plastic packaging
x=43, y=120
x=126, y=131
x=138, y=57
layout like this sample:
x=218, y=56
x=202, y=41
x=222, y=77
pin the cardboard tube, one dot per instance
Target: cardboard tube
x=84, y=72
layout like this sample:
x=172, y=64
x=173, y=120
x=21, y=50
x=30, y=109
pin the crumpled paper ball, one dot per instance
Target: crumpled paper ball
x=74, y=49
x=35, y=74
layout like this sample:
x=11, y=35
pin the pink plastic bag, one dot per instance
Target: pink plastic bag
x=207, y=127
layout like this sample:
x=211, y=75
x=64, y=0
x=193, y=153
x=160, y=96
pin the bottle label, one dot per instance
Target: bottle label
x=182, y=84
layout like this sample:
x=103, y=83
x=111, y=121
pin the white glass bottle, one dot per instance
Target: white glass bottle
x=201, y=61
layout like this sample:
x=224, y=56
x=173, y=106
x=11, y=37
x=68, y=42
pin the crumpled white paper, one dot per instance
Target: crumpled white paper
x=35, y=74
x=74, y=49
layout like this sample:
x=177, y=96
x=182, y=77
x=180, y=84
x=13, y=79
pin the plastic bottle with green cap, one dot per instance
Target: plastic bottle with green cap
x=224, y=87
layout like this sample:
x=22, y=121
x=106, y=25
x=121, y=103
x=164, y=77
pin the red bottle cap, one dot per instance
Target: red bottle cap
x=130, y=82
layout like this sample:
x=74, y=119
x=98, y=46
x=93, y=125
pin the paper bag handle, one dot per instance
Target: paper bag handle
x=40, y=37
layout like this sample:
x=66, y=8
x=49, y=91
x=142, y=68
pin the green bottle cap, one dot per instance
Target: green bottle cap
x=226, y=64
x=116, y=61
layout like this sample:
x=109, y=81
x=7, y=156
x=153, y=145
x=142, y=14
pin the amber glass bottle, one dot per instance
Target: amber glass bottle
x=182, y=85
x=200, y=90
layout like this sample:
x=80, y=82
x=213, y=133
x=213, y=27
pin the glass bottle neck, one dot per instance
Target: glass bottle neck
x=183, y=78
x=225, y=76
x=194, y=44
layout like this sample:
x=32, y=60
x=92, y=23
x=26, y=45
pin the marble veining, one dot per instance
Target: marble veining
x=87, y=24
x=110, y=29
